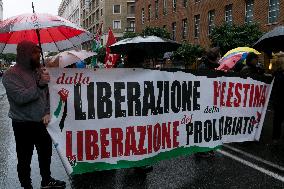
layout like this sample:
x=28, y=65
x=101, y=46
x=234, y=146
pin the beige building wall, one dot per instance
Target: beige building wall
x=1, y=10
x=94, y=12
x=70, y=10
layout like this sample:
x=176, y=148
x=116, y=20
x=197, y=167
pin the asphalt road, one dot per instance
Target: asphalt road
x=238, y=165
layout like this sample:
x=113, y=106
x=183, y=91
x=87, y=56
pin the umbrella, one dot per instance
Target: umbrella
x=272, y=40
x=168, y=55
x=151, y=45
x=240, y=50
x=56, y=33
x=235, y=56
x=67, y=58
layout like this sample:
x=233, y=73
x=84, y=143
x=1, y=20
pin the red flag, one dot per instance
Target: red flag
x=110, y=59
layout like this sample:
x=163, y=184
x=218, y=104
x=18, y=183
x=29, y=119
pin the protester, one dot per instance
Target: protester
x=210, y=60
x=252, y=66
x=27, y=92
x=278, y=100
x=135, y=59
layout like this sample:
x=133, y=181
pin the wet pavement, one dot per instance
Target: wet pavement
x=239, y=165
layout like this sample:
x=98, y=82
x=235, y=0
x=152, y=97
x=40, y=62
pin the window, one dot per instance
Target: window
x=142, y=16
x=101, y=12
x=184, y=28
x=116, y=24
x=229, y=14
x=211, y=18
x=149, y=12
x=273, y=11
x=249, y=11
x=132, y=24
x=130, y=8
x=116, y=9
x=174, y=27
x=185, y=3
x=165, y=7
x=157, y=9
x=174, y=5
x=196, y=25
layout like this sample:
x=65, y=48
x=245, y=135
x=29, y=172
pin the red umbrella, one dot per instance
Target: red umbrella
x=56, y=33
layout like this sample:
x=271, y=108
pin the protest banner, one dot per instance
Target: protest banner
x=122, y=118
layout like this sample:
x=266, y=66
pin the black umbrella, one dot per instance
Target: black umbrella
x=151, y=45
x=271, y=41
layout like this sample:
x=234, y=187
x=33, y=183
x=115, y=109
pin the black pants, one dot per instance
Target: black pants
x=28, y=135
x=277, y=122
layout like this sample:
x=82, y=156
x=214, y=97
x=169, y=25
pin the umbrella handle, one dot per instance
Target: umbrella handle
x=38, y=37
x=39, y=43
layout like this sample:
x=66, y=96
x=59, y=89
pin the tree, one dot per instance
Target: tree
x=51, y=54
x=148, y=31
x=8, y=57
x=129, y=35
x=228, y=37
x=189, y=53
x=156, y=31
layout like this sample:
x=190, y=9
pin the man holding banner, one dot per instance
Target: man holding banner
x=27, y=92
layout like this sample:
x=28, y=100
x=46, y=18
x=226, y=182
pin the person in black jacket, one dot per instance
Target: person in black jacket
x=210, y=60
x=278, y=100
x=252, y=66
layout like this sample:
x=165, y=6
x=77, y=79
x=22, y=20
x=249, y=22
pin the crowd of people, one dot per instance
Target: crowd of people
x=27, y=92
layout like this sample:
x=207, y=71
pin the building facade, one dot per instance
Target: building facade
x=193, y=20
x=119, y=15
x=1, y=10
x=70, y=10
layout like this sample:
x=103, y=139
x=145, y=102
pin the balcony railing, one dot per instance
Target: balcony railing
x=130, y=29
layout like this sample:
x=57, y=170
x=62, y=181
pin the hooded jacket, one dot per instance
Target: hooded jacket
x=28, y=101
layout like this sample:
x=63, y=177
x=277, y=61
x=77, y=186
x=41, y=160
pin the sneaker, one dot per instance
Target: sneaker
x=202, y=155
x=52, y=183
x=144, y=169
x=211, y=153
x=28, y=187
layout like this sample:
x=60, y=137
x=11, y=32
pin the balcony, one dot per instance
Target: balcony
x=129, y=29
x=130, y=15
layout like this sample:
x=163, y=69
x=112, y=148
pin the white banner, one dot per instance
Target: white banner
x=120, y=118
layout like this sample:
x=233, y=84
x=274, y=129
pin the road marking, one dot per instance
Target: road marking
x=256, y=158
x=254, y=166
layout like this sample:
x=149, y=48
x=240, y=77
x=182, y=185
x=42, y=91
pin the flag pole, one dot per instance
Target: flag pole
x=38, y=37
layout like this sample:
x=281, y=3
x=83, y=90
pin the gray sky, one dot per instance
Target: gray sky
x=15, y=7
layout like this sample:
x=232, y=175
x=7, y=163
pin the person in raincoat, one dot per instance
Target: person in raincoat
x=27, y=92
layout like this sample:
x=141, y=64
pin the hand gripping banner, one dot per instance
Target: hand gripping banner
x=122, y=118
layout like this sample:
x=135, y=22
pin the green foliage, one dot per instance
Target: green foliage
x=8, y=57
x=189, y=53
x=228, y=37
x=129, y=35
x=51, y=54
x=148, y=31
x=156, y=31
x=102, y=54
